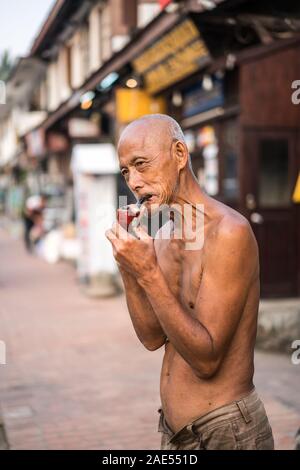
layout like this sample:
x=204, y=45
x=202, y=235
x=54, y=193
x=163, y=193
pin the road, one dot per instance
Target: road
x=76, y=377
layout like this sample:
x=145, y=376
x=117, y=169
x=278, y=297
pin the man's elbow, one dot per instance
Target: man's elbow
x=154, y=345
x=207, y=370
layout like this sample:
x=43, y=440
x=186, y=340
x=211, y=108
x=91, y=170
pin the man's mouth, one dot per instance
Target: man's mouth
x=146, y=198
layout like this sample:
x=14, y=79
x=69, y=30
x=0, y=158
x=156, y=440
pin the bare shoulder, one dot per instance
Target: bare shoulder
x=233, y=226
x=228, y=224
x=233, y=239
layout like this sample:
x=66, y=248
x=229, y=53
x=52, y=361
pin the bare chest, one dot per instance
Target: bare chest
x=182, y=270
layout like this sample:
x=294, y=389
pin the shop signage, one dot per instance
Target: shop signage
x=197, y=100
x=178, y=54
x=132, y=104
x=164, y=3
x=94, y=168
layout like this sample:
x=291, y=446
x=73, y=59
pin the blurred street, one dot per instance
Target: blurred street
x=76, y=376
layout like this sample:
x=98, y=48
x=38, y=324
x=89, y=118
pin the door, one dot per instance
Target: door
x=269, y=176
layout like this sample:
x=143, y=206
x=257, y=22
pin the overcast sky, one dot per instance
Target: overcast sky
x=20, y=21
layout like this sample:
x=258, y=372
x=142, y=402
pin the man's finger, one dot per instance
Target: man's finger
x=141, y=233
x=120, y=231
x=113, y=240
x=110, y=235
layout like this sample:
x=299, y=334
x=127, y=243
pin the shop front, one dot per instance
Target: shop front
x=242, y=130
x=210, y=120
x=270, y=165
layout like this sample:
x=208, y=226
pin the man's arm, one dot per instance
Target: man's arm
x=230, y=267
x=143, y=318
x=145, y=323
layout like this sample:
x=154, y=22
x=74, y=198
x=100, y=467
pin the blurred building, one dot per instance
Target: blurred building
x=18, y=115
x=224, y=69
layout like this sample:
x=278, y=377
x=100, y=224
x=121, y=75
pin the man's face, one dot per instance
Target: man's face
x=147, y=164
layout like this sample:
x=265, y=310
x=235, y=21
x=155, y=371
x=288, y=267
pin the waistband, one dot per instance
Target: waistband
x=244, y=406
x=241, y=407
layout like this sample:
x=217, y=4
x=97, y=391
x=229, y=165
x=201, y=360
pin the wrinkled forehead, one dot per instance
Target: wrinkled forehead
x=142, y=139
x=132, y=139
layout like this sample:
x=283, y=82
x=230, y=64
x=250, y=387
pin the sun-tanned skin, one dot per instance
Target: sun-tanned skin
x=201, y=304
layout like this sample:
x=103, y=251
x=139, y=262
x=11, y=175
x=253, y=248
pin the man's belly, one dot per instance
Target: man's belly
x=185, y=397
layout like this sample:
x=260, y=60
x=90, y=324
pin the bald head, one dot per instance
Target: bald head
x=152, y=156
x=156, y=128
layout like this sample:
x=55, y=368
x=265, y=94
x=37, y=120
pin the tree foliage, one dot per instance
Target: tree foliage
x=5, y=65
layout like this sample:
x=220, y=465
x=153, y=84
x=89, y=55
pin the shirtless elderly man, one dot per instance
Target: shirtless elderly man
x=201, y=305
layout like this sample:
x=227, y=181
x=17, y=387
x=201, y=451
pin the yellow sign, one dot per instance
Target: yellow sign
x=175, y=56
x=176, y=39
x=135, y=103
x=296, y=194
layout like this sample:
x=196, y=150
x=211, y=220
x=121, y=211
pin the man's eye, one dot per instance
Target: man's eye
x=139, y=164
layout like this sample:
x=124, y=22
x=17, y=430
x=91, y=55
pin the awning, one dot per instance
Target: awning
x=144, y=38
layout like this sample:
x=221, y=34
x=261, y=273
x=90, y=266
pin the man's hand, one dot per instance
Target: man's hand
x=134, y=255
x=136, y=258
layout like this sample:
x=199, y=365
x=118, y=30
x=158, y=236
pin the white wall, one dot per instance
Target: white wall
x=64, y=89
x=94, y=38
x=8, y=140
x=52, y=86
x=146, y=13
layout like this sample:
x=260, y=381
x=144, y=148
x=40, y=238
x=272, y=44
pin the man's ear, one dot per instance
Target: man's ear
x=181, y=154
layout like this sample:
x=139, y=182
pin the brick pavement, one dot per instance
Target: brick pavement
x=77, y=378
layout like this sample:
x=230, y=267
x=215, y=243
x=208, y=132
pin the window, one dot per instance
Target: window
x=69, y=66
x=230, y=158
x=105, y=33
x=274, y=188
x=84, y=51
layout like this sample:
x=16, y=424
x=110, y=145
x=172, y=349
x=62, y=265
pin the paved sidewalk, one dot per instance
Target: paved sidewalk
x=76, y=376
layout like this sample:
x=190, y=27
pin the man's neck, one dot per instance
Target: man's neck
x=190, y=202
x=188, y=191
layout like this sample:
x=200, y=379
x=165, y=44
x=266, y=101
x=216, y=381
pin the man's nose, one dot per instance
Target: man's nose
x=135, y=182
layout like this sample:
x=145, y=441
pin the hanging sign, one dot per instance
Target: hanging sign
x=296, y=194
x=176, y=55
